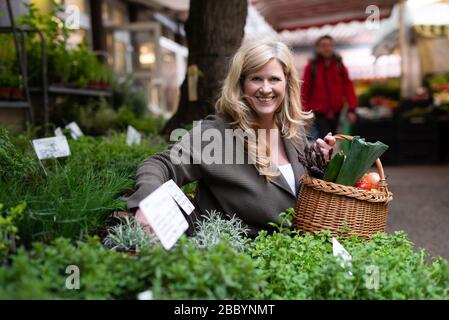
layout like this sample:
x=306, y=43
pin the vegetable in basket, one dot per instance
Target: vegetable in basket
x=313, y=160
x=334, y=166
x=369, y=181
x=360, y=158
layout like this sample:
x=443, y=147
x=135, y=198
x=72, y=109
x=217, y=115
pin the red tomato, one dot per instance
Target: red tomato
x=363, y=185
x=373, y=178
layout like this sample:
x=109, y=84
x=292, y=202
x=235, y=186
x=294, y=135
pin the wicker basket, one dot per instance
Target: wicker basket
x=323, y=205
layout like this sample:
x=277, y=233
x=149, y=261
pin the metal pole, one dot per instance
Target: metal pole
x=44, y=80
x=19, y=55
x=402, y=46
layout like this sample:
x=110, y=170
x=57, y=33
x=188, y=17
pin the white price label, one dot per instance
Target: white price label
x=341, y=254
x=179, y=196
x=133, y=136
x=75, y=130
x=54, y=147
x=164, y=216
x=146, y=295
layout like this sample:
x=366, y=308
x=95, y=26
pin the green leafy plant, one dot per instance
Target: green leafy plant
x=275, y=266
x=9, y=64
x=127, y=93
x=55, y=35
x=5, y=79
x=185, y=272
x=71, y=202
x=190, y=189
x=112, y=152
x=129, y=235
x=15, y=165
x=72, y=66
x=8, y=228
x=285, y=223
x=79, y=192
x=213, y=229
x=303, y=267
x=359, y=159
x=40, y=273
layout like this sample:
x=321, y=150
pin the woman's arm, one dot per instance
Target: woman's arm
x=177, y=163
x=155, y=171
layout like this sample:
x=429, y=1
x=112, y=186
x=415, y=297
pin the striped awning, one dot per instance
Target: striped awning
x=432, y=31
x=301, y=14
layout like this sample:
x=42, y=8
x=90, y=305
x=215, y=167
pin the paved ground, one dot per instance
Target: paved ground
x=420, y=205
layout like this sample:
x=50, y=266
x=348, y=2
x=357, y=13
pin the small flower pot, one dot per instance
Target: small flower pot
x=55, y=79
x=16, y=93
x=105, y=85
x=5, y=93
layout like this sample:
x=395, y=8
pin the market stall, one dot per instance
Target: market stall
x=418, y=126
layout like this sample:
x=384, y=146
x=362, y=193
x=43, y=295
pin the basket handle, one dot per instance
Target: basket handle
x=383, y=182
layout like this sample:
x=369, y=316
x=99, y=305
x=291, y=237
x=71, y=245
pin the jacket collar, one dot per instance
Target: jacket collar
x=292, y=151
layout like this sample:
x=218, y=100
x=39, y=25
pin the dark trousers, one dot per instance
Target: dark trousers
x=323, y=125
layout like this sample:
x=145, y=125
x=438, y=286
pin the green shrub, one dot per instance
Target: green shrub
x=149, y=124
x=78, y=193
x=303, y=267
x=71, y=202
x=186, y=272
x=127, y=93
x=41, y=272
x=112, y=153
x=213, y=229
x=14, y=164
x=183, y=272
x=96, y=118
x=8, y=229
x=275, y=266
x=129, y=235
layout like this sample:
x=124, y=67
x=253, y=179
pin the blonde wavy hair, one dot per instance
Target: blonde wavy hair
x=290, y=118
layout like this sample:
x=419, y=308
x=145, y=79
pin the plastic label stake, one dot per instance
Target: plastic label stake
x=54, y=147
x=133, y=136
x=179, y=196
x=75, y=130
x=164, y=216
x=341, y=254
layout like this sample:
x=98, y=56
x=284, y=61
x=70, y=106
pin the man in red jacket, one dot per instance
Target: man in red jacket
x=326, y=87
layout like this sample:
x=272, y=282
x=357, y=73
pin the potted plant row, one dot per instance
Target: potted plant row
x=10, y=86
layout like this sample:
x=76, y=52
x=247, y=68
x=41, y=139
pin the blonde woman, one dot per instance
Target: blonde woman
x=245, y=156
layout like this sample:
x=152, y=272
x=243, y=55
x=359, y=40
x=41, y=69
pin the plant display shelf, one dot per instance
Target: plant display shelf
x=21, y=55
x=14, y=104
x=64, y=90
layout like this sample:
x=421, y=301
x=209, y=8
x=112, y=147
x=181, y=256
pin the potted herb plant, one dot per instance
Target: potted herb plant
x=5, y=86
x=16, y=92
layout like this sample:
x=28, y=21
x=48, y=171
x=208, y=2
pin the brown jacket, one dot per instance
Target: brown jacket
x=229, y=188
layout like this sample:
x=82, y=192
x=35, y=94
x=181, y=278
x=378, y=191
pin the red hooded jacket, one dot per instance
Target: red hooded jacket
x=330, y=86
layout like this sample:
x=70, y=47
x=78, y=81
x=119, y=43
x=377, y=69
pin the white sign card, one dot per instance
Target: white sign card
x=75, y=130
x=179, y=196
x=133, y=136
x=53, y=147
x=58, y=132
x=145, y=295
x=164, y=216
x=342, y=255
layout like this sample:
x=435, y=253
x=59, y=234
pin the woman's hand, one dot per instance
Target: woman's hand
x=327, y=145
x=140, y=217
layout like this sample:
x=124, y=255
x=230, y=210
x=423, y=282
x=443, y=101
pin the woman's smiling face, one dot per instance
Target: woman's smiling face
x=265, y=89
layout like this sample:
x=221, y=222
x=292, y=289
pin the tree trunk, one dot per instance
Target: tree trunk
x=214, y=31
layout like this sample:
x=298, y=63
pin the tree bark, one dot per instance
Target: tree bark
x=214, y=31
